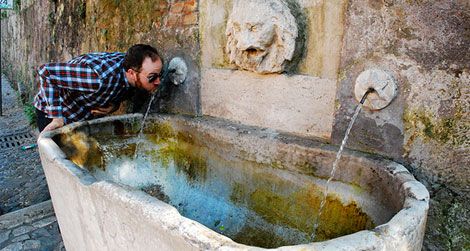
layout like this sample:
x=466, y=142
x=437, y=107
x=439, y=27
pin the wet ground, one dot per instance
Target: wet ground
x=27, y=220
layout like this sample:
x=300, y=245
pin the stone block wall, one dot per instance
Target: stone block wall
x=424, y=45
x=56, y=30
x=300, y=102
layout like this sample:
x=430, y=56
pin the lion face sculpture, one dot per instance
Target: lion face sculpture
x=261, y=35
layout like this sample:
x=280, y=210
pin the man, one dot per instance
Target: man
x=93, y=85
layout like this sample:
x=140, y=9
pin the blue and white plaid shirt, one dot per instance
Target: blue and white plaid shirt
x=71, y=90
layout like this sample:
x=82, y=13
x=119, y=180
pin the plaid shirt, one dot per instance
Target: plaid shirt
x=71, y=90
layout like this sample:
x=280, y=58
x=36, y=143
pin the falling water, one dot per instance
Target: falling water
x=139, y=136
x=145, y=115
x=335, y=164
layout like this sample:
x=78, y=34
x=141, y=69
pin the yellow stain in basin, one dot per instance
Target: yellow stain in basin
x=82, y=150
x=300, y=209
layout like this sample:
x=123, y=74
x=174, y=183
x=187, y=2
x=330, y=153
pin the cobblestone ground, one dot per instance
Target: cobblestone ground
x=31, y=228
x=22, y=180
x=22, y=184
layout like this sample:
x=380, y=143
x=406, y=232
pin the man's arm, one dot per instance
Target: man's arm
x=55, y=123
x=55, y=77
x=102, y=111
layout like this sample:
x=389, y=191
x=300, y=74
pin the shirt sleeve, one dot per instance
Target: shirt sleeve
x=55, y=78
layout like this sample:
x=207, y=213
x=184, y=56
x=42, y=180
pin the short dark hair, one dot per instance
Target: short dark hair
x=137, y=53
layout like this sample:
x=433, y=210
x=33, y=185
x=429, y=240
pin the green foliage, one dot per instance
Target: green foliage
x=17, y=5
x=3, y=15
x=30, y=112
x=81, y=10
x=51, y=18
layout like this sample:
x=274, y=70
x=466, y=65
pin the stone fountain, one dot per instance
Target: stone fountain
x=250, y=172
x=206, y=179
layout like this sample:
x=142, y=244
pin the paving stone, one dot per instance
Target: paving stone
x=13, y=247
x=22, y=230
x=22, y=179
x=40, y=233
x=60, y=247
x=20, y=238
x=24, y=195
x=44, y=222
x=31, y=245
x=4, y=236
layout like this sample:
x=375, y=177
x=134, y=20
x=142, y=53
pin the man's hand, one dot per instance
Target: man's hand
x=102, y=111
x=55, y=123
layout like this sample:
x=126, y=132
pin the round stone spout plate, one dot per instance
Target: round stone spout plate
x=385, y=88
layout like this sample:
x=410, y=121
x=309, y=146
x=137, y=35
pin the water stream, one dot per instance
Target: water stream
x=139, y=136
x=335, y=164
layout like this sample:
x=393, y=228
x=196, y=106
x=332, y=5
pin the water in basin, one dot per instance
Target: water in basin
x=253, y=204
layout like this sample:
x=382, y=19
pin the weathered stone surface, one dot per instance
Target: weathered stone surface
x=39, y=233
x=20, y=238
x=132, y=219
x=25, y=229
x=22, y=183
x=22, y=180
x=424, y=45
x=4, y=235
x=383, y=86
x=31, y=245
x=261, y=43
x=298, y=104
x=14, y=247
x=22, y=230
x=318, y=51
x=44, y=222
x=70, y=28
x=447, y=227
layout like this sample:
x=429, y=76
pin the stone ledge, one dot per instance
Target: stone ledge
x=26, y=215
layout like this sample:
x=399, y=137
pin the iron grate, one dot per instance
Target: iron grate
x=16, y=139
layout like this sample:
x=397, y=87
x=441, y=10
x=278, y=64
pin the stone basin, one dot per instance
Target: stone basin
x=201, y=183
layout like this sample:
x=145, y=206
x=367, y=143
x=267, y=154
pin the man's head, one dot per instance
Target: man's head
x=143, y=66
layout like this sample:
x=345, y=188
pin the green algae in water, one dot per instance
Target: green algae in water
x=252, y=204
x=184, y=157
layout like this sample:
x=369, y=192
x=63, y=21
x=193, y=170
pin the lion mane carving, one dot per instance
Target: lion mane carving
x=261, y=35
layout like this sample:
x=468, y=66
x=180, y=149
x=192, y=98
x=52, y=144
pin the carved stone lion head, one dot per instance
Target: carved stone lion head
x=261, y=35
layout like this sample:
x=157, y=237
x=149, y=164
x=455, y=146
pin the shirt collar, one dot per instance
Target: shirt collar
x=126, y=82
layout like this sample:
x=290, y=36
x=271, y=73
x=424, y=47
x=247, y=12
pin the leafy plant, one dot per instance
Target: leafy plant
x=30, y=112
x=17, y=5
x=3, y=15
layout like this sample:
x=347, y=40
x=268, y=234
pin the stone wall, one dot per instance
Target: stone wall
x=300, y=102
x=56, y=30
x=423, y=44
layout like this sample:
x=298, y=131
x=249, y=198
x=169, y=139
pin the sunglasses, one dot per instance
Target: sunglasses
x=152, y=76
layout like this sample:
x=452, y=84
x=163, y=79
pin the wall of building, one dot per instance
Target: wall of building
x=422, y=44
x=56, y=30
x=301, y=102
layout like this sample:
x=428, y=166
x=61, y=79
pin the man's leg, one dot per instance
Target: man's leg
x=41, y=120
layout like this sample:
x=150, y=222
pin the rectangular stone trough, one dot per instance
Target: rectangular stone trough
x=209, y=184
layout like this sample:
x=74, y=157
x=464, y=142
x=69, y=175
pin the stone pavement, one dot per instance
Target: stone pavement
x=22, y=180
x=31, y=228
x=23, y=185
